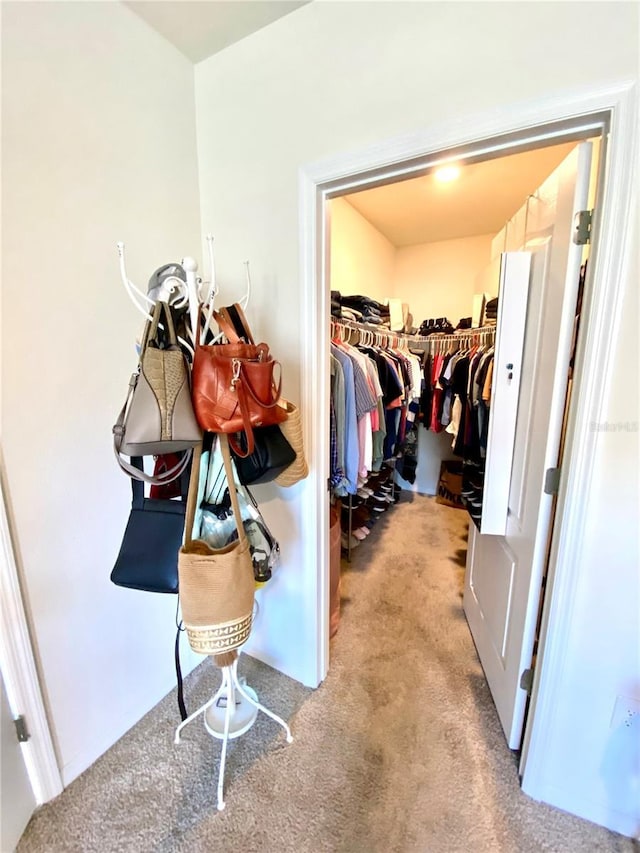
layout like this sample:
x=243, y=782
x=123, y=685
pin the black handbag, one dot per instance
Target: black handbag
x=148, y=557
x=271, y=456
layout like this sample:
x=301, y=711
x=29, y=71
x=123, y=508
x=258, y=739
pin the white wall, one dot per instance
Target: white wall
x=362, y=259
x=332, y=78
x=98, y=146
x=439, y=279
x=593, y=766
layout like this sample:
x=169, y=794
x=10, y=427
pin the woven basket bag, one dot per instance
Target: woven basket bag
x=292, y=431
x=216, y=586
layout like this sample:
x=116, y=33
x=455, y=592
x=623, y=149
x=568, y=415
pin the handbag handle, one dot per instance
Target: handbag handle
x=151, y=327
x=233, y=323
x=246, y=420
x=235, y=315
x=193, y=490
x=225, y=326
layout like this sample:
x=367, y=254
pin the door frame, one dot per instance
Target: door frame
x=19, y=672
x=542, y=122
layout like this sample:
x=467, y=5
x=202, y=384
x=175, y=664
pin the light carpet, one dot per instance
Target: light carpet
x=400, y=749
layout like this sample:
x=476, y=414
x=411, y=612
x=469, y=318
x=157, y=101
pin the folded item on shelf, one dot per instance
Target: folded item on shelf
x=491, y=308
x=363, y=302
x=351, y=314
x=440, y=326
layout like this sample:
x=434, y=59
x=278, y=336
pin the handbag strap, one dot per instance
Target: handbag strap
x=194, y=485
x=225, y=325
x=277, y=391
x=235, y=315
x=137, y=486
x=154, y=479
x=241, y=388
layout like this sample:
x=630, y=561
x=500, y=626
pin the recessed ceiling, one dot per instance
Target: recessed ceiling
x=200, y=29
x=479, y=201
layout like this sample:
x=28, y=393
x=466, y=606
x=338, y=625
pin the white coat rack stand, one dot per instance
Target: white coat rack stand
x=233, y=709
x=230, y=712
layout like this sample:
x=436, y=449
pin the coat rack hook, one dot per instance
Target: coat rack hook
x=213, y=288
x=134, y=293
x=245, y=299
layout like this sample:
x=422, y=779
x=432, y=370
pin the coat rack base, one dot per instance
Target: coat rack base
x=230, y=712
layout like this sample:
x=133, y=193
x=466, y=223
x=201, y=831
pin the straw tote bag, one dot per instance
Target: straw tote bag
x=292, y=431
x=216, y=586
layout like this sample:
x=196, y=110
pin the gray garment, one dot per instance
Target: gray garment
x=338, y=397
x=351, y=441
x=365, y=400
x=378, y=439
x=447, y=403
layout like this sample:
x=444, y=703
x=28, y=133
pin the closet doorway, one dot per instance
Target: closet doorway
x=436, y=247
x=408, y=158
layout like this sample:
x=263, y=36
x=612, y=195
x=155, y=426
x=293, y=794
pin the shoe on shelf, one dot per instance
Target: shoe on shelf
x=361, y=533
x=345, y=541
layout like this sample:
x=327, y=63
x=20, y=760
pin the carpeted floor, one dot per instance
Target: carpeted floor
x=400, y=749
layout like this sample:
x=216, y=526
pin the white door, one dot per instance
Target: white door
x=17, y=800
x=504, y=573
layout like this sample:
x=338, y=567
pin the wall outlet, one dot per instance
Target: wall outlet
x=626, y=712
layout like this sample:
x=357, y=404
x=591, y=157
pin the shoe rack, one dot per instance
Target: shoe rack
x=364, y=509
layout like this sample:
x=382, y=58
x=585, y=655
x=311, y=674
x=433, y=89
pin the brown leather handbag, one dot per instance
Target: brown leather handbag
x=234, y=388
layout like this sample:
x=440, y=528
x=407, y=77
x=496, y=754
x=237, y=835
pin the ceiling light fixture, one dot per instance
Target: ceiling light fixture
x=446, y=174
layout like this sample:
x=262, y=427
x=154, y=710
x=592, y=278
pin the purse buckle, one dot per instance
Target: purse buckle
x=237, y=364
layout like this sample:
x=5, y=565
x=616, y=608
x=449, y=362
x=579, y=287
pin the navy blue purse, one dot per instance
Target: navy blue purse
x=148, y=557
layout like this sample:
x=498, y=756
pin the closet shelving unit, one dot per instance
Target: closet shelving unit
x=374, y=335
x=233, y=709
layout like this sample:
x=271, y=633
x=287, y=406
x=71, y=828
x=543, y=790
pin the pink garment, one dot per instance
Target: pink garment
x=365, y=443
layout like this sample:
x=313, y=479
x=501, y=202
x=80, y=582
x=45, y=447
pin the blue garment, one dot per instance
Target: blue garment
x=336, y=473
x=351, y=444
x=365, y=399
x=392, y=418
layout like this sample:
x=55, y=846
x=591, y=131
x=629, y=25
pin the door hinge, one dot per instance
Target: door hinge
x=552, y=481
x=21, y=729
x=582, y=231
x=526, y=680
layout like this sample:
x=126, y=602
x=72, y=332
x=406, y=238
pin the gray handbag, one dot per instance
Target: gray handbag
x=157, y=416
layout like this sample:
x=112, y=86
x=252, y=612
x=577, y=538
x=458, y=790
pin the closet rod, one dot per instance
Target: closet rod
x=466, y=336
